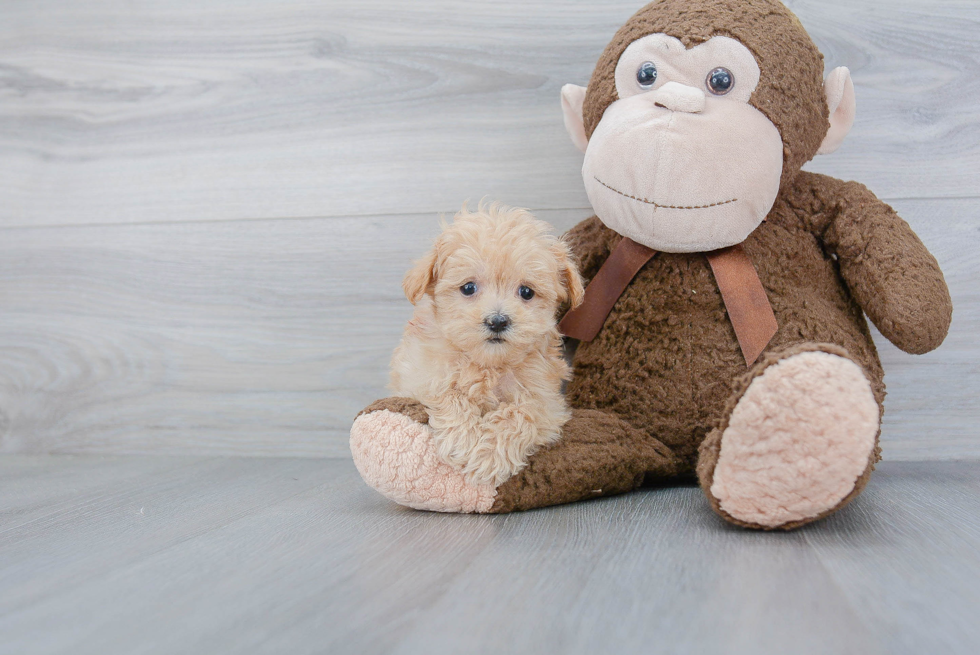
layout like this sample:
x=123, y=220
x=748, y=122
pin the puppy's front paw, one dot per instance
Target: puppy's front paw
x=509, y=436
x=457, y=430
x=394, y=454
x=490, y=464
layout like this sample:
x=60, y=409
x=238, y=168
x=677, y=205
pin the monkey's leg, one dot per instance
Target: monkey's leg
x=798, y=441
x=393, y=450
x=598, y=455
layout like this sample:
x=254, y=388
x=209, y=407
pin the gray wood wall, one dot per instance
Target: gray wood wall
x=206, y=206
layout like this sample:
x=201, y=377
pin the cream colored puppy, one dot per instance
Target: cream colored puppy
x=483, y=352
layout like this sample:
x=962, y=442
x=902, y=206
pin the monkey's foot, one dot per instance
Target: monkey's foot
x=392, y=446
x=798, y=444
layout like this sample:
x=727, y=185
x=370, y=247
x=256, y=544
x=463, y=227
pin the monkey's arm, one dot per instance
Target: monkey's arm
x=889, y=271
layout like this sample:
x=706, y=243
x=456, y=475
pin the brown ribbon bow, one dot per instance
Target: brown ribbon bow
x=741, y=290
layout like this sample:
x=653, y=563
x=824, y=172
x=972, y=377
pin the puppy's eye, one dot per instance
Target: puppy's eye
x=525, y=292
x=468, y=289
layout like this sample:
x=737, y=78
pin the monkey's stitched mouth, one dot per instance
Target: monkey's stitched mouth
x=657, y=204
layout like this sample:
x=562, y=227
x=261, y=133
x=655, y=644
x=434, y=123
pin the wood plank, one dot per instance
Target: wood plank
x=653, y=571
x=115, y=112
x=335, y=551
x=267, y=337
x=912, y=540
x=33, y=488
x=324, y=564
x=124, y=519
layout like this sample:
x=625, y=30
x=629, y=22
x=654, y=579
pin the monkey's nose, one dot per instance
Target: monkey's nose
x=679, y=97
x=497, y=323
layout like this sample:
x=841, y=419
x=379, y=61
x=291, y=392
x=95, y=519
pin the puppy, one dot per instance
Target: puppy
x=482, y=351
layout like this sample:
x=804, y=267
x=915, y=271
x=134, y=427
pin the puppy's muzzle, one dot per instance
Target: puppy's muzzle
x=497, y=323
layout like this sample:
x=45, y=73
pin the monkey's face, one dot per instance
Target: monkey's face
x=681, y=162
x=686, y=147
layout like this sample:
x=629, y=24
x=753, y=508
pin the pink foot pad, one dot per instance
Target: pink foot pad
x=797, y=441
x=394, y=455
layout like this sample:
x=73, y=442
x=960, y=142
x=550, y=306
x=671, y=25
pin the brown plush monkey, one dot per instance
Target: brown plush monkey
x=724, y=330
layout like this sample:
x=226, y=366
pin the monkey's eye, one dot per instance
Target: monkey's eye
x=646, y=74
x=720, y=81
x=468, y=289
x=525, y=292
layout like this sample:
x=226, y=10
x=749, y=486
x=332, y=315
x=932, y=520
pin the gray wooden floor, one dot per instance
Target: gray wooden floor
x=215, y=555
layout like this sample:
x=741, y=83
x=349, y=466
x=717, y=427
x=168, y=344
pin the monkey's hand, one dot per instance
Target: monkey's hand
x=891, y=274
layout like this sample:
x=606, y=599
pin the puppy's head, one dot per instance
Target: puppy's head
x=496, y=277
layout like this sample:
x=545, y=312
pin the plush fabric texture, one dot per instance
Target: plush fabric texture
x=674, y=166
x=797, y=441
x=598, y=455
x=572, y=97
x=667, y=358
x=394, y=455
x=842, y=106
x=710, y=448
x=894, y=279
x=688, y=65
x=680, y=181
x=790, y=91
x=407, y=406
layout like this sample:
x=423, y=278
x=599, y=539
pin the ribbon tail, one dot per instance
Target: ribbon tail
x=745, y=299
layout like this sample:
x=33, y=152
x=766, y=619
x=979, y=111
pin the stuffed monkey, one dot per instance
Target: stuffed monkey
x=723, y=336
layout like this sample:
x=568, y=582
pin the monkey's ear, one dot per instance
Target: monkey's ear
x=420, y=278
x=840, y=101
x=572, y=97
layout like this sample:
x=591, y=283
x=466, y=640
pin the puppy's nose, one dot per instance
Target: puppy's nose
x=497, y=323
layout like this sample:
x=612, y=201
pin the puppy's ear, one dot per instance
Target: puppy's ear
x=421, y=277
x=571, y=281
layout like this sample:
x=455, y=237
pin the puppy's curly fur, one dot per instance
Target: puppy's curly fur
x=482, y=351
